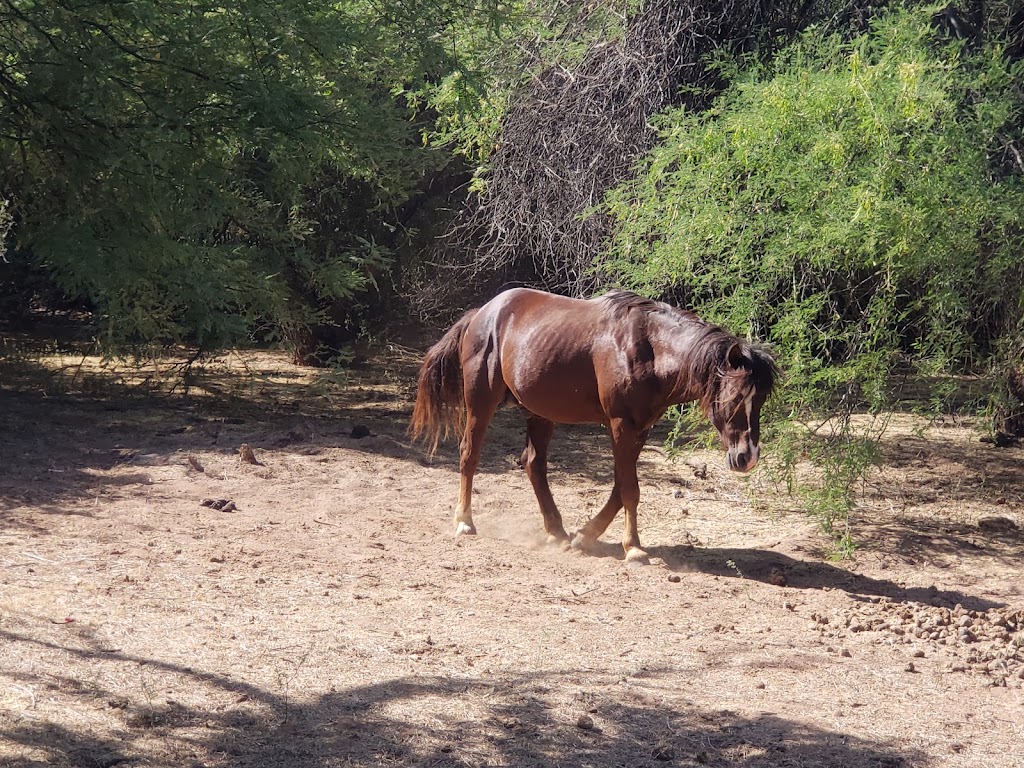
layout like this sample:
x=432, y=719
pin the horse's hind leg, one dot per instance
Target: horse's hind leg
x=535, y=462
x=472, y=442
x=481, y=403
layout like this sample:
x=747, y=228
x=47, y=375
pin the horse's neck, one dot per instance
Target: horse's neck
x=684, y=350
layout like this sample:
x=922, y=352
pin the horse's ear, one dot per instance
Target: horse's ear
x=737, y=356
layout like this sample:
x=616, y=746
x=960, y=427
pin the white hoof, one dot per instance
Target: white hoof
x=463, y=528
x=579, y=543
x=636, y=556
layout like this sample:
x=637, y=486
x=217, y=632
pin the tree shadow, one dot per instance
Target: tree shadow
x=62, y=447
x=920, y=539
x=528, y=719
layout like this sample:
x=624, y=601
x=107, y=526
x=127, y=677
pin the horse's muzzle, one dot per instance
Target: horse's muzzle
x=742, y=461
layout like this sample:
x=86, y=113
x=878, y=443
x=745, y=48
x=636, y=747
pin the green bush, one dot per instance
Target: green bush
x=856, y=203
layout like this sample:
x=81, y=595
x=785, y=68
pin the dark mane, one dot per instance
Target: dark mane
x=708, y=358
x=766, y=371
x=624, y=301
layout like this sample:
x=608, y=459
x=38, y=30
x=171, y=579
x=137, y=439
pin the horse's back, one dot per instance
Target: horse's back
x=542, y=347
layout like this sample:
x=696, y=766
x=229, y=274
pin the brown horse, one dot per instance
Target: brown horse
x=618, y=360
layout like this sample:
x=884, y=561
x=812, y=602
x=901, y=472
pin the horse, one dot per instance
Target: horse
x=619, y=360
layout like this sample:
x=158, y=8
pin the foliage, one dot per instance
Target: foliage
x=855, y=203
x=5, y=226
x=195, y=171
x=548, y=148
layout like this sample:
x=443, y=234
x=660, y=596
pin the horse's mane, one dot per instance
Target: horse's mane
x=622, y=302
x=707, y=357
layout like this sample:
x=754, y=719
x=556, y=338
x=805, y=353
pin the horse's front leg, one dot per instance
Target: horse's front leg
x=599, y=523
x=626, y=445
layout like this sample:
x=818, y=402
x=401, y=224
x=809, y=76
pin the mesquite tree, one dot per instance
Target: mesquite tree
x=198, y=172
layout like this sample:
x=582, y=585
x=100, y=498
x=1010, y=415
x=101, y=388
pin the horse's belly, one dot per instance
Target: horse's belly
x=561, y=400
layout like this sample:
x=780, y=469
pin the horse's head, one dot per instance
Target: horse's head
x=747, y=377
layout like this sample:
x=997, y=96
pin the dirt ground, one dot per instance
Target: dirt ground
x=327, y=617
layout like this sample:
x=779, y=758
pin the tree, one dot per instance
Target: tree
x=550, y=139
x=198, y=172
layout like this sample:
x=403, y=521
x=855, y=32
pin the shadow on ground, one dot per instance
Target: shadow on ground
x=430, y=721
x=780, y=570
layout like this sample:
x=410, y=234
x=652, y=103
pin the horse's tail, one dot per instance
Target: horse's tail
x=439, y=399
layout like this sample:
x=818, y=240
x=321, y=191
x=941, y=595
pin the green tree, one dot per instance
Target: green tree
x=194, y=171
x=848, y=203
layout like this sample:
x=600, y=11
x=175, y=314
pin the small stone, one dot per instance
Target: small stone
x=585, y=722
x=909, y=667
x=918, y=654
x=674, y=578
x=845, y=653
x=359, y=431
x=664, y=752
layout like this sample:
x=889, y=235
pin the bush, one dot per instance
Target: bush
x=855, y=203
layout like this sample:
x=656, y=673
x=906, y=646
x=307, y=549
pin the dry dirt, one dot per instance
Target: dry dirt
x=328, y=617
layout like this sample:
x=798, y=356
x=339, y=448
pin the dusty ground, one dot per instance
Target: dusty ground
x=330, y=619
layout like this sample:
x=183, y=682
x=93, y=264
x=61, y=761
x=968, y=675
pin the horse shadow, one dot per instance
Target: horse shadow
x=782, y=571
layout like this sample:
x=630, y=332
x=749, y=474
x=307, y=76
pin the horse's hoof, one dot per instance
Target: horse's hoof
x=562, y=542
x=636, y=556
x=579, y=543
x=465, y=529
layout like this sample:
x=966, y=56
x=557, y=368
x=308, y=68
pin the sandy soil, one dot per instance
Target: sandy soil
x=330, y=619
